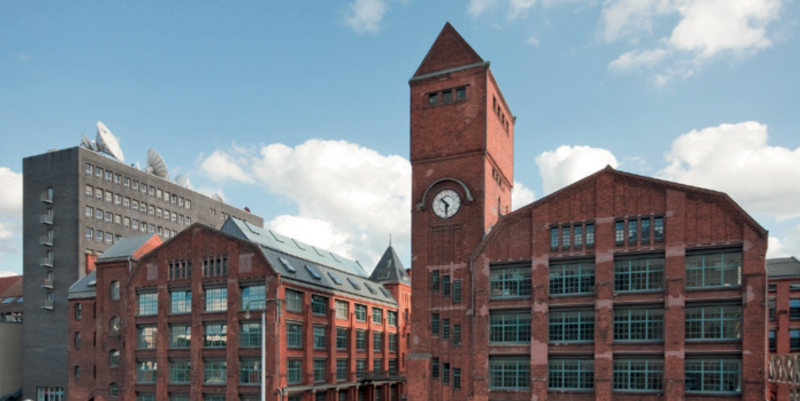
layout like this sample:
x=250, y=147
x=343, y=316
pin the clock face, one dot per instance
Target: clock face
x=446, y=203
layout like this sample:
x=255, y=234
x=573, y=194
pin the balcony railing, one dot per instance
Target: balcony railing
x=46, y=240
x=48, y=304
x=46, y=261
x=46, y=219
x=47, y=283
x=383, y=375
x=47, y=197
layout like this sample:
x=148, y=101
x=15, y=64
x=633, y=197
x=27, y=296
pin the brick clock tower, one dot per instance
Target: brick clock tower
x=462, y=156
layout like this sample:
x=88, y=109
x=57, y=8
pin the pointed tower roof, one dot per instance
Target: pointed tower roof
x=390, y=269
x=449, y=51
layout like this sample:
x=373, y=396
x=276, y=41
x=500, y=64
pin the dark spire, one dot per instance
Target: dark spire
x=390, y=269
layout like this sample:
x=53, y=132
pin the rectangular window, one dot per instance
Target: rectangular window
x=446, y=285
x=570, y=374
x=446, y=329
x=126, y=182
x=554, y=238
x=377, y=315
x=714, y=322
x=180, y=371
x=377, y=341
x=772, y=340
x=573, y=278
x=342, y=309
x=457, y=335
x=461, y=93
x=639, y=374
x=392, y=342
x=88, y=169
x=619, y=232
x=638, y=324
x=216, y=299
x=639, y=274
x=250, y=371
x=658, y=228
x=433, y=99
x=645, y=236
x=510, y=282
x=319, y=370
x=98, y=172
x=146, y=337
x=181, y=302
x=435, y=323
x=571, y=326
x=294, y=371
x=146, y=371
x=447, y=96
x=632, y=231
x=393, y=367
x=456, y=378
x=509, y=373
x=391, y=318
x=341, y=338
x=147, y=304
x=772, y=308
x=589, y=235
x=89, y=212
x=320, y=337
x=319, y=305
x=215, y=371
x=180, y=336
x=435, y=280
x=341, y=370
x=109, y=174
x=294, y=301
x=578, y=230
x=89, y=191
x=89, y=233
x=794, y=339
x=510, y=327
x=713, y=375
x=250, y=335
x=216, y=335
x=135, y=185
x=294, y=335
x=565, y=236
x=361, y=368
x=435, y=368
x=794, y=308
x=361, y=340
x=457, y=291
x=254, y=296
x=445, y=374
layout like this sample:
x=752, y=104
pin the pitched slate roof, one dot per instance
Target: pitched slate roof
x=783, y=267
x=307, y=265
x=85, y=287
x=390, y=269
x=124, y=248
x=11, y=286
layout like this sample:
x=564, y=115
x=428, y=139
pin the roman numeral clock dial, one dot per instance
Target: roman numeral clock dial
x=446, y=203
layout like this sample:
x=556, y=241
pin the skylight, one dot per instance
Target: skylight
x=334, y=278
x=313, y=273
x=354, y=284
x=384, y=292
x=287, y=265
x=8, y=301
x=19, y=300
x=371, y=291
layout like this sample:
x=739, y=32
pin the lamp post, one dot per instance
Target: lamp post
x=263, y=348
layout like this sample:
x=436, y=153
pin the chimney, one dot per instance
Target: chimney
x=90, y=262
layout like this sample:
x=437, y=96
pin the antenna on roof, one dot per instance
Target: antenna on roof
x=156, y=165
x=86, y=142
x=108, y=143
x=182, y=180
x=390, y=240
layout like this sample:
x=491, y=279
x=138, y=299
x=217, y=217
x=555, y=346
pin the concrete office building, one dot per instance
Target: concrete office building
x=76, y=204
x=616, y=287
x=185, y=323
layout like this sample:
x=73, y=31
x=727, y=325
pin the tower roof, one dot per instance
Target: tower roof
x=390, y=269
x=449, y=51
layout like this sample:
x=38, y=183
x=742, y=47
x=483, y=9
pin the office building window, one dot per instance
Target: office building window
x=215, y=371
x=570, y=374
x=319, y=370
x=794, y=339
x=294, y=301
x=361, y=312
x=341, y=370
x=638, y=374
x=294, y=335
x=320, y=337
x=216, y=335
x=445, y=374
x=216, y=299
x=361, y=340
x=147, y=304
x=619, y=232
x=294, y=371
x=254, y=296
x=377, y=345
x=391, y=318
x=794, y=308
x=509, y=373
x=319, y=305
x=180, y=302
x=146, y=371
x=639, y=274
x=146, y=337
x=714, y=322
x=392, y=342
x=510, y=327
x=571, y=326
x=180, y=336
x=457, y=335
x=435, y=323
x=180, y=371
x=446, y=285
x=435, y=280
x=714, y=270
x=772, y=340
x=377, y=315
x=457, y=291
x=361, y=368
x=250, y=371
x=638, y=324
x=446, y=329
x=510, y=282
x=713, y=375
x=571, y=279
x=250, y=336
x=341, y=338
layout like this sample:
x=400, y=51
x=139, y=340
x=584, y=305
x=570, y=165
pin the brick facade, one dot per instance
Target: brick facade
x=665, y=302
x=783, y=314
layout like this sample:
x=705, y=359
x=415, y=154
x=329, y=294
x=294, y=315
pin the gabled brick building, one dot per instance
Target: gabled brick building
x=183, y=321
x=784, y=313
x=618, y=286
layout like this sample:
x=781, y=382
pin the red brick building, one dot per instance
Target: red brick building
x=784, y=313
x=618, y=286
x=183, y=321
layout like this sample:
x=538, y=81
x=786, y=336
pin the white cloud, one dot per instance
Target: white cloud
x=516, y=8
x=8, y=274
x=366, y=15
x=736, y=159
x=705, y=29
x=567, y=165
x=349, y=197
x=521, y=196
x=788, y=245
x=223, y=166
x=10, y=212
x=533, y=40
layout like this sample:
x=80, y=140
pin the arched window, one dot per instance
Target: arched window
x=114, y=290
x=113, y=358
x=77, y=340
x=113, y=324
x=113, y=390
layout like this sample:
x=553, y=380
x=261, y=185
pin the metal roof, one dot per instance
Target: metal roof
x=783, y=267
x=390, y=269
x=85, y=287
x=124, y=248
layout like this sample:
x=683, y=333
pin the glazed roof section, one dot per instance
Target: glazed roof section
x=307, y=265
x=783, y=267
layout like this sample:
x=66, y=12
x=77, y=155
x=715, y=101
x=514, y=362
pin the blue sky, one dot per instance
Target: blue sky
x=300, y=112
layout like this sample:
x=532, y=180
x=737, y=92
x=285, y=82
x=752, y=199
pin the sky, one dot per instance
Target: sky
x=300, y=110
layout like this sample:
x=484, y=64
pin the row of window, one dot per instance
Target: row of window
x=639, y=230
x=501, y=115
x=640, y=274
x=445, y=374
x=794, y=339
x=574, y=236
x=134, y=185
x=446, y=96
x=57, y=393
x=319, y=306
x=702, y=375
x=134, y=205
x=702, y=323
x=794, y=308
x=445, y=331
x=447, y=287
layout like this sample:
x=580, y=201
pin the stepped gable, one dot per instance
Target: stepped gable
x=449, y=51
